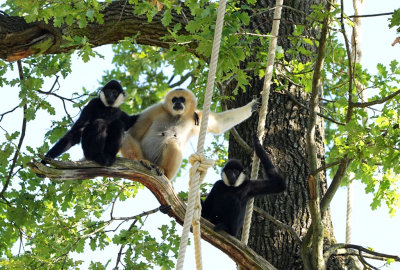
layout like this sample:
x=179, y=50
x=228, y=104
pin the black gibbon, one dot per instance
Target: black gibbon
x=101, y=127
x=163, y=130
x=226, y=204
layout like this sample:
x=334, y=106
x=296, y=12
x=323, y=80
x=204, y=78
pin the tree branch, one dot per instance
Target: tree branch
x=21, y=139
x=346, y=42
x=326, y=200
x=371, y=103
x=336, y=249
x=280, y=224
x=19, y=39
x=162, y=189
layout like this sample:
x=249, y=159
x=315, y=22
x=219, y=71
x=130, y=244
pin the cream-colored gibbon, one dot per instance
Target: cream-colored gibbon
x=162, y=131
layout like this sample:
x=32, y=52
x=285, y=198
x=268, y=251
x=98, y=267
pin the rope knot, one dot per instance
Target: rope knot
x=199, y=164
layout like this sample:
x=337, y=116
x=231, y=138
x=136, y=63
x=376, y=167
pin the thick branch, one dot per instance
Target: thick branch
x=162, y=189
x=336, y=249
x=19, y=39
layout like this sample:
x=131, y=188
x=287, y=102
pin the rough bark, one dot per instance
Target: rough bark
x=19, y=39
x=162, y=189
x=286, y=129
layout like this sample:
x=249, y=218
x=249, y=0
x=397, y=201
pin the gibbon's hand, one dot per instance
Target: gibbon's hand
x=257, y=105
x=196, y=119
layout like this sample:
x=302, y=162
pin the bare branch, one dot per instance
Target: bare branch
x=334, y=249
x=378, y=101
x=10, y=111
x=164, y=192
x=328, y=166
x=182, y=80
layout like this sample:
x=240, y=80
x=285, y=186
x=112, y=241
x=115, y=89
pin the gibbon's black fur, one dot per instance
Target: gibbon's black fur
x=226, y=204
x=100, y=127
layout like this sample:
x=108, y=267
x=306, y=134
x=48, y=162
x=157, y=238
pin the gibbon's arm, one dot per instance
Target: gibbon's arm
x=220, y=122
x=275, y=182
x=73, y=136
x=145, y=120
x=128, y=120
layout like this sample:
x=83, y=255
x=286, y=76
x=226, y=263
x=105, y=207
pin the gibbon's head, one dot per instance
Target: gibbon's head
x=112, y=94
x=180, y=101
x=233, y=174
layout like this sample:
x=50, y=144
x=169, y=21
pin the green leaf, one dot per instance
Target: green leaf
x=167, y=18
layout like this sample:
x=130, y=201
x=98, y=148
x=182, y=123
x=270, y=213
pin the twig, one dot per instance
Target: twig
x=371, y=103
x=182, y=80
x=293, y=98
x=279, y=224
x=328, y=166
x=10, y=111
x=21, y=139
x=371, y=15
x=122, y=247
x=350, y=109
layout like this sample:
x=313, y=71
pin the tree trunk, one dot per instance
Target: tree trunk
x=285, y=141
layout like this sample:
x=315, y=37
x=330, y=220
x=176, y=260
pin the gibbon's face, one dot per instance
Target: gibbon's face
x=180, y=101
x=233, y=174
x=112, y=94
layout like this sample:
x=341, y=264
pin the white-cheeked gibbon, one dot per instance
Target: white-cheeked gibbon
x=162, y=131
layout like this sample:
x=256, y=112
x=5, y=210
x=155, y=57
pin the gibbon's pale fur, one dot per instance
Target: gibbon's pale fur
x=162, y=131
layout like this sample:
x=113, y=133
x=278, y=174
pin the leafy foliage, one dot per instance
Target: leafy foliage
x=56, y=218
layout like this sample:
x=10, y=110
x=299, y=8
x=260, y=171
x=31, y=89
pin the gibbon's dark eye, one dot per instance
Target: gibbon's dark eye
x=174, y=99
x=182, y=99
x=115, y=92
x=236, y=172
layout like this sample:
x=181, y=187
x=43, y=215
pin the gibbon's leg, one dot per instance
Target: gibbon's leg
x=220, y=122
x=113, y=142
x=131, y=148
x=171, y=159
x=93, y=142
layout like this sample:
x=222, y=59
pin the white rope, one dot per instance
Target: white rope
x=349, y=216
x=263, y=112
x=355, y=58
x=198, y=160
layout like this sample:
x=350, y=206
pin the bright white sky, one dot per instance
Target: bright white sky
x=370, y=228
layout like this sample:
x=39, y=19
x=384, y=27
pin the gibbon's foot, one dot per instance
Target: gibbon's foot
x=151, y=166
x=159, y=171
x=105, y=160
x=256, y=106
x=146, y=164
x=165, y=209
x=220, y=227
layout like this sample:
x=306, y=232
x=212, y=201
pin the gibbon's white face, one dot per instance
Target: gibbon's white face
x=112, y=97
x=180, y=102
x=231, y=180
